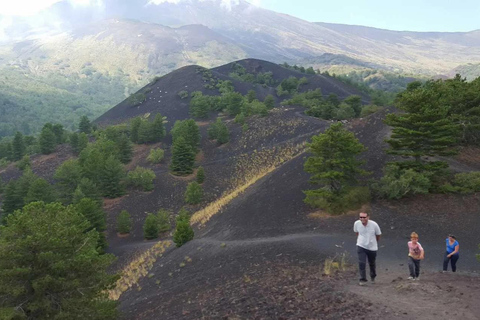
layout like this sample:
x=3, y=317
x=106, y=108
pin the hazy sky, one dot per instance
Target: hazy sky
x=413, y=15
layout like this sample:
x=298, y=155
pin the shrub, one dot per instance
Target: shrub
x=183, y=94
x=183, y=230
x=366, y=110
x=194, y=193
x=136, y=98
x=150, y=227
x=163, y=218
x=124, y=222
x=350, y=199
x=24, y=162
x=156, y=155
x=398, y=183
x=200, y=175
x=467, y=182
x=141, y=178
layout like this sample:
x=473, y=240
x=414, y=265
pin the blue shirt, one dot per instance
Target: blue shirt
x=451, y=248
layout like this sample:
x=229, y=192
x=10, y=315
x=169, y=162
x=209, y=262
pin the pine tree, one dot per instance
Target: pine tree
x=24, y=162
x=251, y=95
x=66, y=277
x=82, y=142
x=183, y=230
x=163, y=218
x=94, y=213
x=24, y=183
x=200, y=175
x=134, y=128
x=12, y=199
x=188, y=130
x=77, y=196
x=90, y=190
x=59, y=132
x=111, y=179
x=47, y=140
x=424, y=130
x=85, y=126
x=356, y=103
x=194, y=193
x=124, y=222
x=158, y=129
x=18, y=146
x=223, y=135
x=40, y=190
x=67, y=176
x=125, y=149
x=145, y=132
x=74, y=142
x=269, y=101
x=150, y=227
x=333, y=164
x=183, y=157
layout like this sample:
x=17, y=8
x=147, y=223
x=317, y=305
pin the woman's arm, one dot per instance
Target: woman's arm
x=457, y=247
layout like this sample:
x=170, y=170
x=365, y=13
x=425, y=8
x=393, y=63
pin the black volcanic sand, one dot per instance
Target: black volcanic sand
x=162, y=94
x=261, y=257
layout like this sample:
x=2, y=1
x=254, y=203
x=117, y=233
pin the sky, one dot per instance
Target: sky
x=411, y=15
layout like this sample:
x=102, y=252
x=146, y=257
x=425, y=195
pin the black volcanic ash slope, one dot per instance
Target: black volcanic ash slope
x=162, y=94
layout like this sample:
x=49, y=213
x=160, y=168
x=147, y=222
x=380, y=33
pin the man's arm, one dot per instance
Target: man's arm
x=378, y=237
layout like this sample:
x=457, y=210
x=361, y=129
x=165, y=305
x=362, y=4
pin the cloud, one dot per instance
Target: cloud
x=227, y=4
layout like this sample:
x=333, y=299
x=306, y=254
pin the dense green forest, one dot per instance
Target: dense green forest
x=27, y=100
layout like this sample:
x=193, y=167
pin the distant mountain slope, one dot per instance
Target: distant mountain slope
x=272, y=36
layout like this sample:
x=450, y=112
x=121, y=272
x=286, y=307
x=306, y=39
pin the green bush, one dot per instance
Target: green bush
x=24, y=162
x=200, y=175
x=156, y=155
x=350, y=199
x=150, y=227
x=136, y=98
x=183, y=94
x=467, y=182
x=194, y=193
x=398, y=183
x=124, y=222
x=141, y=178
x=183, y=230
x=163, y=218
x=366, y=110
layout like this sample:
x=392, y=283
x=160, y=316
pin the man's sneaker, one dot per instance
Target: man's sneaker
x=417, y=279
x=362, y=282
x=373, y=280
x=411, y=278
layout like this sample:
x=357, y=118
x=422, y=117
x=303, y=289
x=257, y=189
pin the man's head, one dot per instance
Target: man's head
x=414, y=237
x=363, y=216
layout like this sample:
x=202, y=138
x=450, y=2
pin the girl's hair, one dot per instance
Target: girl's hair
x=414, y=235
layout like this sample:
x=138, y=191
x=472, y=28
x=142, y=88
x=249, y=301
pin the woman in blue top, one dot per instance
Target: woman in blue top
x=451, y=254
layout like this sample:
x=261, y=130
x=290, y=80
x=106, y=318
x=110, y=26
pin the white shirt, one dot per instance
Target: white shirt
x=367, y=235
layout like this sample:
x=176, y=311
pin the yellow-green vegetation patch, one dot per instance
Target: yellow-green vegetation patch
x=138, y=268
x=250, y=169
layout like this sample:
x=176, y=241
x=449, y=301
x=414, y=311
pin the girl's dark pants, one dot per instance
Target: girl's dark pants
x=363, y=254
x=453, y=261
x=414, y=267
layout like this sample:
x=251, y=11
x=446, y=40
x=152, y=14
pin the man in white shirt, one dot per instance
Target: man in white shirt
x=368, y=234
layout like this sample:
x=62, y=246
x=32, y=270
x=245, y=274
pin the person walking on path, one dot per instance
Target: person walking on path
x=451, y=255
x=368, y=234
x=415, y=254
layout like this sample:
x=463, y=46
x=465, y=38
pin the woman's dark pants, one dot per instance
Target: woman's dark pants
x=453, y=261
